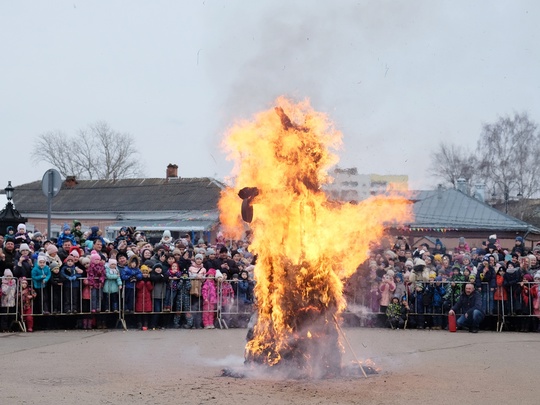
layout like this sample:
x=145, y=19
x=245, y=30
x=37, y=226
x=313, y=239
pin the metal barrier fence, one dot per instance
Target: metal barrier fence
x=229, y=303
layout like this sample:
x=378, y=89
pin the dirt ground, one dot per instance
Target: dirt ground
x=184, y=367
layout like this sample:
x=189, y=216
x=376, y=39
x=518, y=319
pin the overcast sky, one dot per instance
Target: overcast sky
x=396, y=77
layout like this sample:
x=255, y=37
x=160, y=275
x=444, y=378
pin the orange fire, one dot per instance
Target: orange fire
x=306, y=245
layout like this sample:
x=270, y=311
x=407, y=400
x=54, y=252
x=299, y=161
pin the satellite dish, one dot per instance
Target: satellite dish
x=51, y=183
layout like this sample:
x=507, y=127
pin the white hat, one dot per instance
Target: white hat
x=24, y=246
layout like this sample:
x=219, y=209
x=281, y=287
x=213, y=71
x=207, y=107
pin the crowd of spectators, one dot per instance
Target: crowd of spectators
x=172, y=283
x=417, y=287
x=182, y=284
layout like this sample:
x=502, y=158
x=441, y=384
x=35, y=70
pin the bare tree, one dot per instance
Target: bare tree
x=509, y=161
x=452, y=162
x=96, y=152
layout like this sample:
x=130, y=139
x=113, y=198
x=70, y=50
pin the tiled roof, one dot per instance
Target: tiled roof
x=452, y=208
x=127, y=195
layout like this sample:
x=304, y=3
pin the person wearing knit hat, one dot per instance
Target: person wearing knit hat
x=41, y=274
x=56, y=283
x=94, y=257
x=433, y=298
x=386, y=288
x=8, y=299
x=71, y=274
x=519, y=247
x=112, y=286
x=143, y=298
x=21, y=236
x=66, y=235
x=96, y=279
x=23, y=262
x=177, y=252
x=51, y=249
x=130, y=274
x=209, y=293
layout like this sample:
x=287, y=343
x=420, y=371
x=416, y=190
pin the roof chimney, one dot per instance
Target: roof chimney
x=479, y=192
x=462, y=185
x=172, y=171
x=70, y=182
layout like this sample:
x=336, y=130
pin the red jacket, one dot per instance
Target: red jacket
x=143, y=297
x=501, y=294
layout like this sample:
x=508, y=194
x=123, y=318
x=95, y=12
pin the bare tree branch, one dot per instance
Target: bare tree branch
x=96, y=152
x=509, y=156
x=451, y=162
x=55, y=148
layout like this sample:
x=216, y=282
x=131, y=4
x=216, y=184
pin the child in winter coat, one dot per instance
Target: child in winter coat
x=143, y=299
x=27, y=297
x=160, y=282
x=41, y=273
x=7, y=301
x=227, y=299
x=387, y=289
x=396, y=314
x=96, y=279
x=436, y=291
x=130, y=275
x=173, y=275
x=112, y=286
x=22, y=236
x=183, y=302
x=500, y=296
x=56, y=284
x=209, y=296
x=66, y=235
x=245, y=292
x=71, y=284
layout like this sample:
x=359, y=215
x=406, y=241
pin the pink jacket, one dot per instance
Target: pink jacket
x=387, y=288
x=209, y=291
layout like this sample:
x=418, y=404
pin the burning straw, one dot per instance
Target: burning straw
x=306, y=245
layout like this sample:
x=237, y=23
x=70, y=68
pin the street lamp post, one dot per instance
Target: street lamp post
x=9, y=216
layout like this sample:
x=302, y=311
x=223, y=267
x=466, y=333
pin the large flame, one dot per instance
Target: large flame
x=306, y=245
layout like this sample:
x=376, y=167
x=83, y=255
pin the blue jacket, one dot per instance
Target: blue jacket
x=71, y=276
x=130, y=276
x=63, y=237
x=438, y=292
x=245, y=291
x=40, y=277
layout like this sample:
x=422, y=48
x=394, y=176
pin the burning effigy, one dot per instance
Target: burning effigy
x=306, y=245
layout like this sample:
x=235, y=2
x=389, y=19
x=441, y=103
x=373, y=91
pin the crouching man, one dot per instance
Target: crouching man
x=470, y=305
